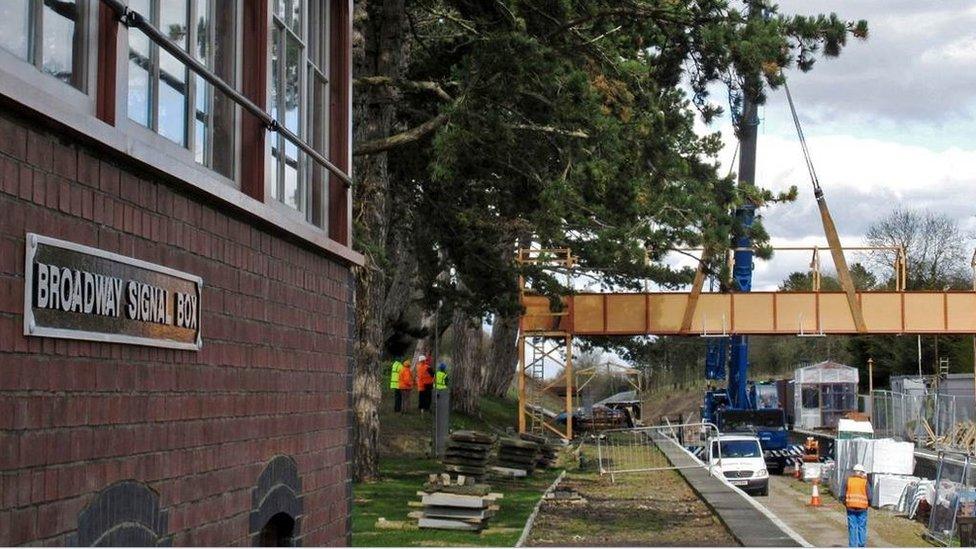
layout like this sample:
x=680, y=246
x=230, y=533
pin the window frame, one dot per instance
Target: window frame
x=98, y=115
x=183, y=153
x=30, y=73
x=315, y=215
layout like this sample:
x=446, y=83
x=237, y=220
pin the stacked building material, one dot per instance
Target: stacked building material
x=454, y=504
x=516, y=457
x=547, y=450
x=467, y=454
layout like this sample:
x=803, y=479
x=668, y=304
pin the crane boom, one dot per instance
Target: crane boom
x=830, y=230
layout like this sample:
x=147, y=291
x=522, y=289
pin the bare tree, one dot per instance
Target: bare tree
x=936, y=248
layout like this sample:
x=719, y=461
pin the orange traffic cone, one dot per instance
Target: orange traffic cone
x=815, y=496
x=798, y=471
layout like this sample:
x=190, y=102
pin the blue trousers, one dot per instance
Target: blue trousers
x=857, y=527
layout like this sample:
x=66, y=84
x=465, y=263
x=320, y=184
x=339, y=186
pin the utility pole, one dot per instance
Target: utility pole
x=919, y=339
x=870, y=402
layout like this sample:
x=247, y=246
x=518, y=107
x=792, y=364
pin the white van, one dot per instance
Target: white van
x=739, y=458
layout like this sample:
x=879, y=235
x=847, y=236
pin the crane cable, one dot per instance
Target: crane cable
x=817, y=191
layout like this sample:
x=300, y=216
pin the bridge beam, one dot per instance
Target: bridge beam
x=754, y=313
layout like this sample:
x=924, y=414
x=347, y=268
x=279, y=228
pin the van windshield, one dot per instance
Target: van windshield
x=737, y=449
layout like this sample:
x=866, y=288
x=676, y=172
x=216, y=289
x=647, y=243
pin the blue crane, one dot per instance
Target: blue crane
x=736, y=407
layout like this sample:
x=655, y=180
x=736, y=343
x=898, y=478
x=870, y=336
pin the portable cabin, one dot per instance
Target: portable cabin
x=823, y=393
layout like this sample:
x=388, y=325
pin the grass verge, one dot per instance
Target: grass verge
x=404, y=465
x=401, y=478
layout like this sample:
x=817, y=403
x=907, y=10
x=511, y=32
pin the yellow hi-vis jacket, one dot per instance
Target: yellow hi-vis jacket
x=440, y=380
x=395, y=374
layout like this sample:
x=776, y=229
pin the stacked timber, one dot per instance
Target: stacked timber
x=547, y=450
x=467, y=454
x=516, y=457
x=454, y=504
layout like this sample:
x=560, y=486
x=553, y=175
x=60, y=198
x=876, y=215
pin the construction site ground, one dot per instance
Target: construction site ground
x=642, y=509
x=387, y=498
x=404, y=467
x=826, y=526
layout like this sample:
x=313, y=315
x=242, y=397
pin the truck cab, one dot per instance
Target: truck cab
x=768, y=425
x=739, y=459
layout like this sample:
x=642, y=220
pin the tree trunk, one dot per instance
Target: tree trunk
x=500, y=368
x=465, y=374
x=378, y=46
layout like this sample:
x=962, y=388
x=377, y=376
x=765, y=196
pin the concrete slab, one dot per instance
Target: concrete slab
x=748, y=524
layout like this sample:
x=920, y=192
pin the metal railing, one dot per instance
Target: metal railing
x=637, y=450
x=134, y=19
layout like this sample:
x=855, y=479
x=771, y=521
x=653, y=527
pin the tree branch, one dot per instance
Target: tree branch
x=549, y=129
x=412, y=85
x=408, y=136
x=634, y=12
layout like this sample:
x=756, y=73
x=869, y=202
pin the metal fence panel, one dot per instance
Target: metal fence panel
x=930, y=419
x=951, y=479
x=622, y=451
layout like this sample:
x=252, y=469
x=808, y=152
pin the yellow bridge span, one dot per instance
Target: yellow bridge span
x=753, y=313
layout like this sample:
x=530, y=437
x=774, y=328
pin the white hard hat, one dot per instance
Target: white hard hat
x=859, y=468
x=423, y=357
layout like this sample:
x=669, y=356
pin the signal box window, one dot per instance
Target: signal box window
x=299, y=100
x=49, y=34
x=168, y=98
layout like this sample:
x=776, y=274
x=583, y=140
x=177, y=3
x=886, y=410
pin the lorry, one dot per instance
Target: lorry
x=761, y=416
x=739, y=459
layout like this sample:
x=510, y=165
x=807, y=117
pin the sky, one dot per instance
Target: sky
x=890, y=123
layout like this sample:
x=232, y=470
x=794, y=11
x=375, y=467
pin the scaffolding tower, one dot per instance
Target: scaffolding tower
x=542, y=347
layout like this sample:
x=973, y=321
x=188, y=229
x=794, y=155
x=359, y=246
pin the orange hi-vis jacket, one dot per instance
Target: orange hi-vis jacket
x=424, y=376
x=406, y=378
x=857, y=493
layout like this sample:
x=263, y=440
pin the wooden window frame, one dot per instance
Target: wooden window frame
x=99, y=116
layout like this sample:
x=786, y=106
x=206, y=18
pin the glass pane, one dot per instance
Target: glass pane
x=61, y=41
x=201, y=118
x=317, y=131
x=14, y=27
x=172, y=107
x=201, y=20
x=275, y=57
x=318, y=104
x=274, y=98
x=295, y=16
x=279, y=9
x=172, y=73
x=293, y=191
x=274, y=166
x=200, y=137
x=293, y=94
x=140, y=92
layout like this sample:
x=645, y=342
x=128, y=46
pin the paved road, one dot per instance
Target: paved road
x=824, y=526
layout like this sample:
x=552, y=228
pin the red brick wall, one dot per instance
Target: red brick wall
x=272, y=379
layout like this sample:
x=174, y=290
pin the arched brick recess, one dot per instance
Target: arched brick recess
x=278, y=491
x=126, y=513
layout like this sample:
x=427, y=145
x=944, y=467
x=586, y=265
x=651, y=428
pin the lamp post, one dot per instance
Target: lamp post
x=870, y=403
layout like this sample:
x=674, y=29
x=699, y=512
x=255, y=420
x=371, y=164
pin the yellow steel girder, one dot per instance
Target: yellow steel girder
x=761, y=313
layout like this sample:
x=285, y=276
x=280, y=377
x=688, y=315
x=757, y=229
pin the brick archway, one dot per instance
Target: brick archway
x=277, y=505
x=126, y=513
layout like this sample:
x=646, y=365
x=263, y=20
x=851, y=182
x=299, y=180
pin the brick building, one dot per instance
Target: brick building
x=122, y=158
